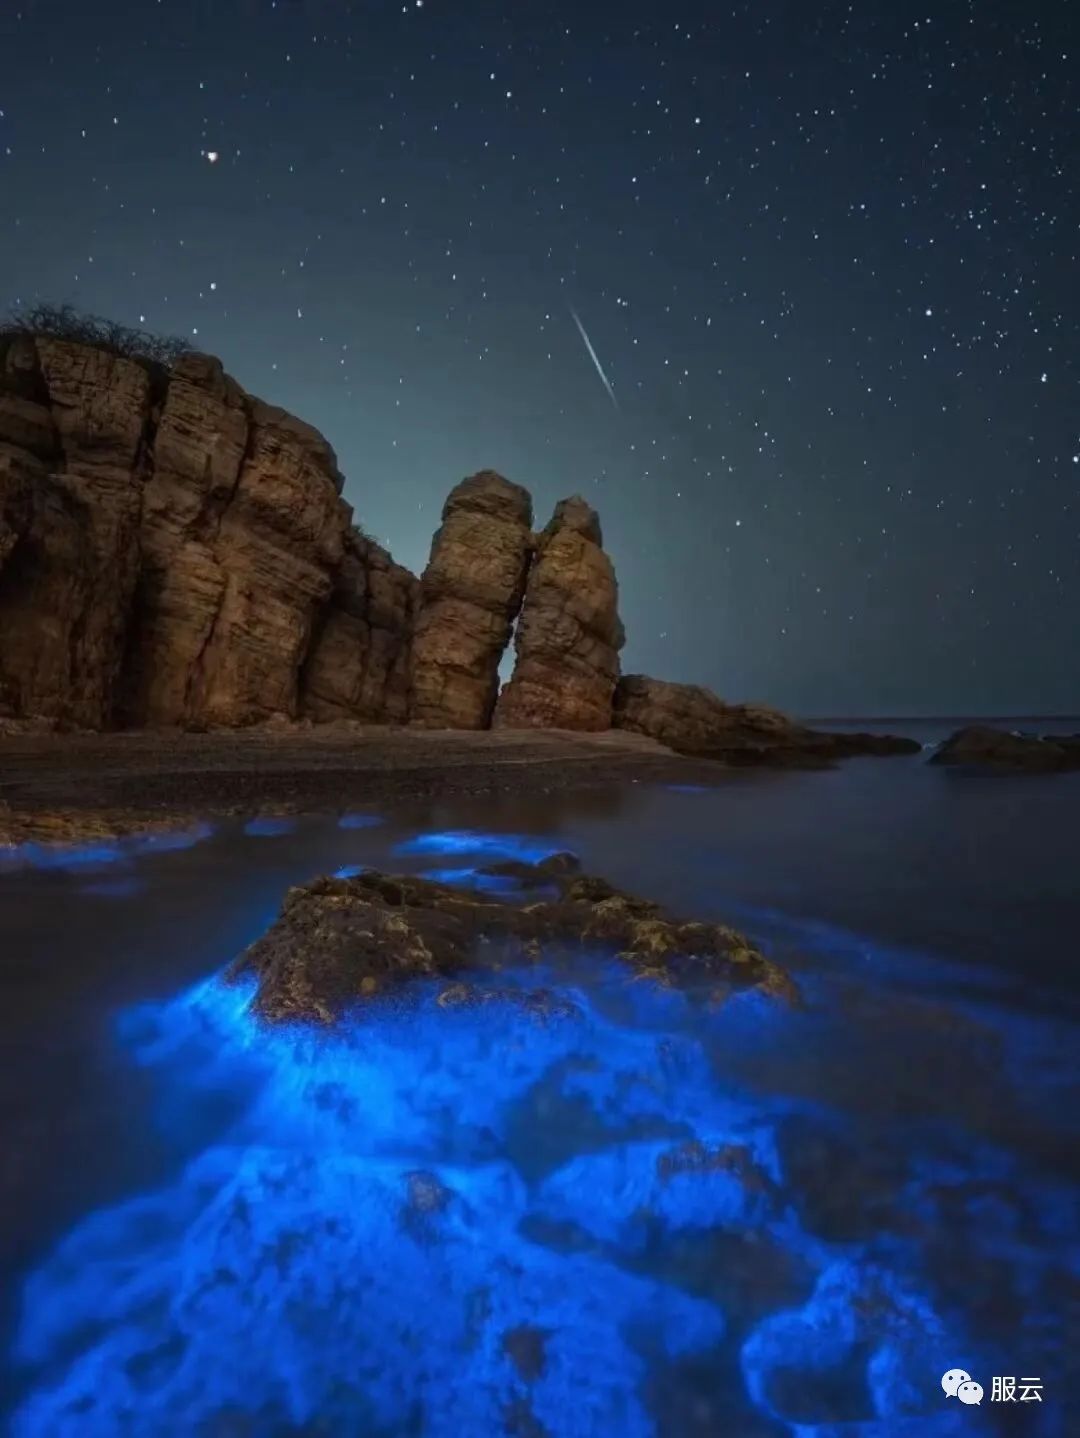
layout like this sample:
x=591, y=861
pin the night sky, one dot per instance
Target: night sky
x=825, y=253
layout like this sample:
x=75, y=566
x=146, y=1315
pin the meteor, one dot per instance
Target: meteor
x=592, y=355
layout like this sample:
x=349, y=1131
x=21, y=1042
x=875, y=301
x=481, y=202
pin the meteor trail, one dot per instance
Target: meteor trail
x=592, y=355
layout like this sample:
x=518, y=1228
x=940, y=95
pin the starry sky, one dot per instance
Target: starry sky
x=824, y=254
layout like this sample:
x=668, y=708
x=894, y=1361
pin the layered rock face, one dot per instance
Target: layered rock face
x=73, y=430
x=470, y=594
x=569, y=634
x=244, y=534
x=358, y=667
x=175, y=552
x=693, y=720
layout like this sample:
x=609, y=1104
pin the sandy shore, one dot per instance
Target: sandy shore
x=59, y=786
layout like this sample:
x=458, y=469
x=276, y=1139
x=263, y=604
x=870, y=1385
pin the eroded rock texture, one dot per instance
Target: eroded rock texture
x=200, y=445
x=358, y=666
x=339, y=941
x=470, y=594
x=569, y=635
x=692, y=720
x=175, y=552
x=73, y=430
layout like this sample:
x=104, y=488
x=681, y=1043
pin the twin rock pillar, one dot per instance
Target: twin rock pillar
x=487, y=570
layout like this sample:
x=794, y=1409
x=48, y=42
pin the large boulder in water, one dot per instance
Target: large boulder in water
x=982, y=746
x=340, y=941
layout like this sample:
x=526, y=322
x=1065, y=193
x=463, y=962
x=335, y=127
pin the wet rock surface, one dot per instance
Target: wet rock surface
x=569, y=634
x=339, y=941
x=694, y=721
x=983, y=747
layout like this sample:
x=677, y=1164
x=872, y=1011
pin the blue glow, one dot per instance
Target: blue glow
x=169, y=840
x=268, y=827
x=102, y=854
x=359, y=821
x=468, y=843
x=349, y=871
x=483, y=883
x=604, y=1187
x=60, y=856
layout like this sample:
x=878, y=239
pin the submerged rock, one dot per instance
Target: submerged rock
x=694, y=721
x=338, y=941
x=982, y=746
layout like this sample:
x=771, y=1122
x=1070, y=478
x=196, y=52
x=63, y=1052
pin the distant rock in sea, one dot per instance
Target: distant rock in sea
x=984, y=747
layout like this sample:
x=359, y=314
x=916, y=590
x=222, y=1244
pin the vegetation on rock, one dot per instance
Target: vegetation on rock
x=65, y=322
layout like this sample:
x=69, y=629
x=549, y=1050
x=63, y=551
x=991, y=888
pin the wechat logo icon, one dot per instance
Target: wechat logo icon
x=958, y=1384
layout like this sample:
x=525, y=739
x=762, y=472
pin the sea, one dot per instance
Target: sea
x=626, y=1210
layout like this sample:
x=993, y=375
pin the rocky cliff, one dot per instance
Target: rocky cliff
x=175, y=552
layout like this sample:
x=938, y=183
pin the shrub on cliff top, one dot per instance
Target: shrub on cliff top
x=65, y=322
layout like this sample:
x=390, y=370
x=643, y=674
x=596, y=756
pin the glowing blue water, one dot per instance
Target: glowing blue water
x=469, y=1219
x=469, y=844
x=101, y=855
x=359, y=821
x=269, y=827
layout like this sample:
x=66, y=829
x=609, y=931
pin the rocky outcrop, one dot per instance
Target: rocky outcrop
x=176, y=552
x=692, y=720
x=470, y=594
x=569, y=634
x=244, y=534
x=358, y=666
x=983, y=747
x=340, y=941
x=73, y=428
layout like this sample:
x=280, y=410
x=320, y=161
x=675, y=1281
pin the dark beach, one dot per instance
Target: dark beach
x=65, y=785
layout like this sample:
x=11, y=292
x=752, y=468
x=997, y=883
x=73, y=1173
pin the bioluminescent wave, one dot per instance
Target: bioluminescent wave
x=436, y=1219
x=359, y=821
x=471, y=843
x=269, y=826
x=102, y=854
